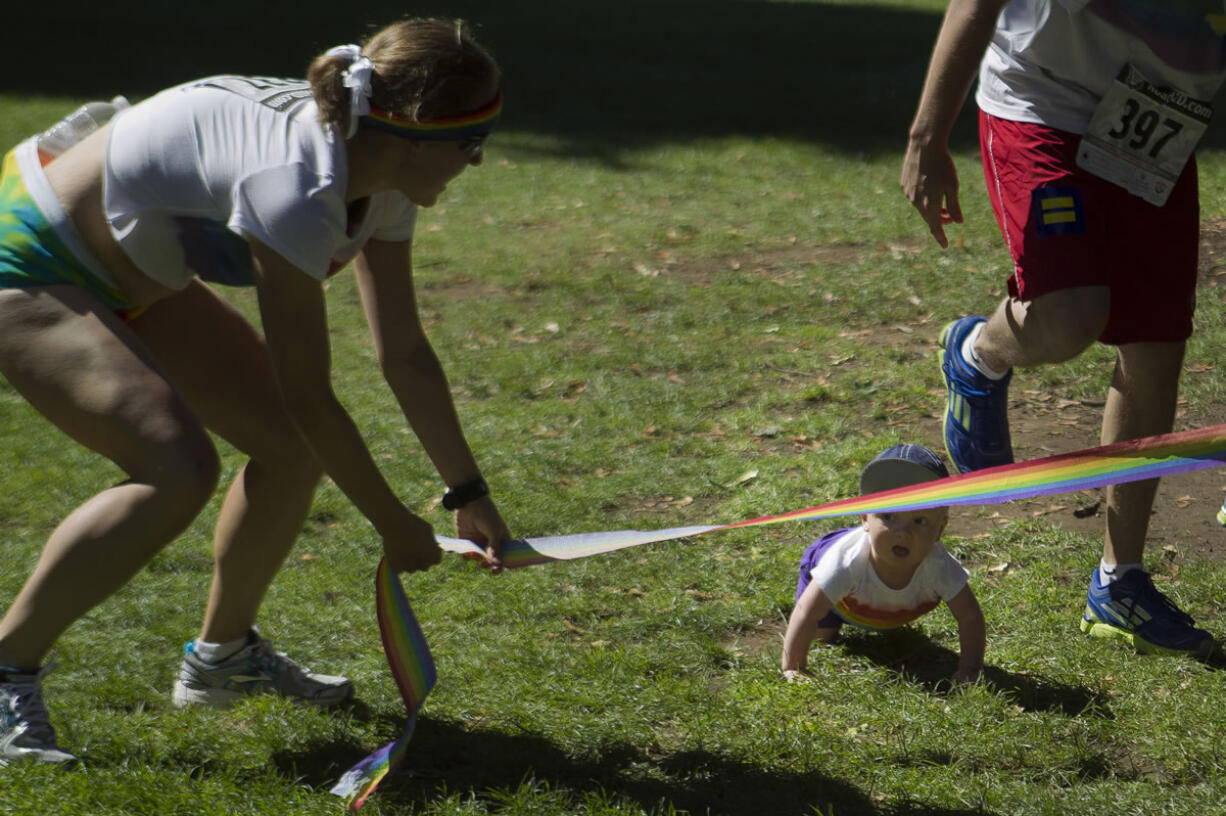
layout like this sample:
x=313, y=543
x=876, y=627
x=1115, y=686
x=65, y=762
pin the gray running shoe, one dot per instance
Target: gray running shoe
x=254, y=669
x=25, y=730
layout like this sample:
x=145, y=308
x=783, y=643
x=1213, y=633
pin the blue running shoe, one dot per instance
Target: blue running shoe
x=1132, y=608
x=976, y=408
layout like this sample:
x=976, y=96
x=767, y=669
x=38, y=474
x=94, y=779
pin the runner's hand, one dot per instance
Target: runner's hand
x=930, y=182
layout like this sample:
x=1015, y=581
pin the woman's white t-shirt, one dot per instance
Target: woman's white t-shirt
x=194, y=171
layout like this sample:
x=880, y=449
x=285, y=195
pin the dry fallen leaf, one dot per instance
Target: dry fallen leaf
x=744, y=478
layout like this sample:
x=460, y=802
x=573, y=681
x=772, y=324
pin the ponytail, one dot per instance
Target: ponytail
x=328, y=88
x=416, y=69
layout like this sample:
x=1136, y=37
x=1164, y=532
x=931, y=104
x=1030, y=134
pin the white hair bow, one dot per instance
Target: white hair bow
x=357, y=79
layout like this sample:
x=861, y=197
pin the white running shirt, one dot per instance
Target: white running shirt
x=1051, y=61
x=195, y=170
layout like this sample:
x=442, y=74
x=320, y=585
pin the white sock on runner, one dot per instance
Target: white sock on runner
x=972, y=359
x=217, y=652
x=1113, y=572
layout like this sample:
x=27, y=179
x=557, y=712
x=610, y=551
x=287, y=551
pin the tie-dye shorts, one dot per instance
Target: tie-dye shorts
x=34, y=248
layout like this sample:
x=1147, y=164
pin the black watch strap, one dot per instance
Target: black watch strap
x=456, y=497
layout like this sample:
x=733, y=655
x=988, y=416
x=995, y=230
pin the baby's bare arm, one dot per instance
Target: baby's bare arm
x=972, y=635
x=802, y=628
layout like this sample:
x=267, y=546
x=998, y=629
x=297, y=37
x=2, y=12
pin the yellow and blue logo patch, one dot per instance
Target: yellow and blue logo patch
x=1057, y=211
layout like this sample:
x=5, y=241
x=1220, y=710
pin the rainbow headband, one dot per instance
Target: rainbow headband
x=466, y=125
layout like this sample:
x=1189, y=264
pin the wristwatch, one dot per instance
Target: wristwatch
x=456, y=497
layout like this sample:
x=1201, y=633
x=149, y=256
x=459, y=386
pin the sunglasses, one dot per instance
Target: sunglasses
x=471, y=147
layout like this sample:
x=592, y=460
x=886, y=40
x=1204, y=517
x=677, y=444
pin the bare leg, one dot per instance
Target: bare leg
x=203, y=342
x=86, y=372
x=1051, y=328
x=1140, y=402
x=260, y=519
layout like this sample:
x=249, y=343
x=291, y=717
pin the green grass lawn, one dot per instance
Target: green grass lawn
x=661, y=305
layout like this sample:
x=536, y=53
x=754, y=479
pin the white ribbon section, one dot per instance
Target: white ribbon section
x=525, y=551
x=357, y=79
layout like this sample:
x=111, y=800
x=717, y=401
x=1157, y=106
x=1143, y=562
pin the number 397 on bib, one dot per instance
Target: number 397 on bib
x=1141, y=136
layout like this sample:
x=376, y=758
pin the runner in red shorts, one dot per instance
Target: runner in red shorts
x=1090, y=115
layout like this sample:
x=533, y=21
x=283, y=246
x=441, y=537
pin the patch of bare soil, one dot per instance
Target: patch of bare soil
x=1183, y=524
x=1182, y=527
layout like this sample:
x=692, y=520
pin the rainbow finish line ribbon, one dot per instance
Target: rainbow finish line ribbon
x=1131, y=461
x=1118, y=463
x=1135, y=460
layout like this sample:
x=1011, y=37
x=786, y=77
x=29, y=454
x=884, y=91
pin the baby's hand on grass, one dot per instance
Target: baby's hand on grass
x=797, y=676
x=965, y=677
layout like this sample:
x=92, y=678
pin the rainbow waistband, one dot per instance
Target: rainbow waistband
x=478, y=122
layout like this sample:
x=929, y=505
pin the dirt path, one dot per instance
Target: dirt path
x=1183, y=523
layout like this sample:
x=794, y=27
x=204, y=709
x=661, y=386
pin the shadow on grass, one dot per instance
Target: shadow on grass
x=918, y=659
x=1216, y=658
x=447, y=759
x=587, y=79
x=592, y=77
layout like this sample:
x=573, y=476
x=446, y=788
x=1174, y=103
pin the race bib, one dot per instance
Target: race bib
x=1141, y=136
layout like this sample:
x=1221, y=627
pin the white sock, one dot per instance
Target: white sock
x=972, y=358
x=217, y=652
x=1113, y=572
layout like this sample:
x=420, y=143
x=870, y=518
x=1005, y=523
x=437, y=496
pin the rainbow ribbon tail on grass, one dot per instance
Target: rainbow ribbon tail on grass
x=412, y=667
x=1131, y=461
